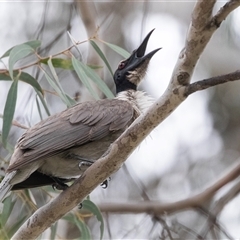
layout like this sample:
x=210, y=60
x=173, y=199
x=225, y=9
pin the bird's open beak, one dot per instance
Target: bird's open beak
x=137, y=58
x=131, y=71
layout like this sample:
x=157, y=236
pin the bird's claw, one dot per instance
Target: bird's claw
x=58, y=184
x=84, y=163
x=104, y=184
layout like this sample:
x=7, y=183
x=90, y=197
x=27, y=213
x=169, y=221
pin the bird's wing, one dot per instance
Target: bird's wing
x=80, y=124
x=38, y=179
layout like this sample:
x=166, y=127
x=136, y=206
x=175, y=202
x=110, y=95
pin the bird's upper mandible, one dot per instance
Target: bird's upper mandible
x=132, y=70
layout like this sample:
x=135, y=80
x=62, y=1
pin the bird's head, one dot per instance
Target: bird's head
x=131, y=71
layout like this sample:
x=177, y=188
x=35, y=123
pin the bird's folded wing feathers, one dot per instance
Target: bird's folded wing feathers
x=5, y=185
x=75, y=126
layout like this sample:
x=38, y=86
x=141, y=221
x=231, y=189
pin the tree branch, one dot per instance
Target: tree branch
x=197, y=38
x=195, y=201
x=210, y=82
x=217, y=208
x=225, y=11
x=118, y=152
x=226, y=198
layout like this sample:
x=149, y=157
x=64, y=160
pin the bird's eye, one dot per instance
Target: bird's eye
x=121, y=65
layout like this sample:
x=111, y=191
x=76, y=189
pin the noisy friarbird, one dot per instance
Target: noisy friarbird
x=59, y=148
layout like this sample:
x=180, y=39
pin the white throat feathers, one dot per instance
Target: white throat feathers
x=138, y=99
x=137, y=75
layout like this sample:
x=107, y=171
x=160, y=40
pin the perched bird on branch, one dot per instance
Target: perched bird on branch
x=59, y=148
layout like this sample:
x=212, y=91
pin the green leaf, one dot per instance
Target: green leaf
x=59, y=63
x=9, y=110
x=54, y=74
x=65, y=63
x=39, y=108
x=8, y=146
x=94, y=66
x=83, y=76
x=58, y=85
x=33, y=44
x=85, y=232
x=43, y=103
x=118, y=50
x=17, y=53
x=99, y=82
x=100, y=53
x=90, y=206
x=7, y=209
x=71, y=100
x=56, y=88
x=5, y=76
x=27, y=78
x=53, y=230
x=24, y=77
x=69, y=217
x=17, y=225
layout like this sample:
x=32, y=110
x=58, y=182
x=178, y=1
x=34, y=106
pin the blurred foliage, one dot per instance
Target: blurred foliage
x=195, y=158
x=87, y=76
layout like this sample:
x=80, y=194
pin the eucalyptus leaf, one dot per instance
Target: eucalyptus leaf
x=63, y=95
x=9, y=110
x=21, y=219
x=92, y=207
x=39, y=108
x=101, y=54
x=118, y=49
x=59, y=63
x=17, y=53
x=43, y=102
x=94, y=66
x=58, y=90
x=83, y=228
x=33, y=44
x=53, y=231
x=85, y=232
x=97, y=80
x=69, y=217
x=8, y=146
x=83, y=76
x=27, y=78
x=24, y=77
x=7, y=209
x=71, y=100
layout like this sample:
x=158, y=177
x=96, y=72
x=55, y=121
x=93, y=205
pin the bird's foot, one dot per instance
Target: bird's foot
x=104, y=184
x=80, y=205
x=85, y=164
x=59, y=185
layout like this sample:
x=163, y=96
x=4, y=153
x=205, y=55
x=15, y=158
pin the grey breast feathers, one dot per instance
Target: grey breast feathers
x=80, y=124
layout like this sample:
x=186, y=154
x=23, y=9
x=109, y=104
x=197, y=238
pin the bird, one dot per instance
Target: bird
x=61, y=147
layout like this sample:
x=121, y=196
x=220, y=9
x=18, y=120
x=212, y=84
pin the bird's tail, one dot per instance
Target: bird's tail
x=5, y=185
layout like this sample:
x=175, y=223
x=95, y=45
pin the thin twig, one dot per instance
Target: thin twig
x=165, y=226
x=217, y=225
x=218, y=207
x=156, y=208
x=189, y=230
x=16, y=123
x=224, y=12
x=43, y=58
x=210, y=82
